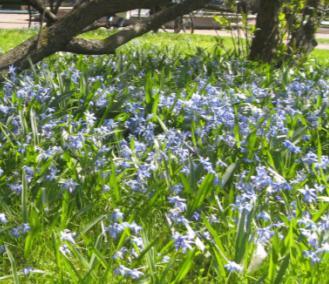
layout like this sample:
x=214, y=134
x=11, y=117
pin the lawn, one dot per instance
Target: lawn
x=175, y=164
x=323, y=40
x=181, y=43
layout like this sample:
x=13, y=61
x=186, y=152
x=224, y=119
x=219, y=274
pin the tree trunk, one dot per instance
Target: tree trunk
x=303, y=38
x=53, y=38
x=266, y=38
x=60, y=35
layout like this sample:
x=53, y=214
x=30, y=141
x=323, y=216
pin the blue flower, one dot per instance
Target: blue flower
x=207, y=165
x=64, y=249
x=117, y=215
x=68, y=236
x=25, y=228
x=309, y=194
x=263, y=216
x=70, y=185
x=291, y=147
x=76, y=142
x=12, y=70
x=20, y=230
x=310, y=158
x=264, y=234
x=51, y=176
x=90, y=118
x=138, y=241
x=17, y=188
x=27, y=270
x=4, y=109
x=115, y=230
x=196, y=216
x=232, y=266
x=135, y=228
x=312, y=256
x=177, y=188
x=127, y=272
x=120, y=254
x=178, y=202
x=182, y=242
x=262, y=179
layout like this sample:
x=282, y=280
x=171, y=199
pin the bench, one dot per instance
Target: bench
x=17, y=7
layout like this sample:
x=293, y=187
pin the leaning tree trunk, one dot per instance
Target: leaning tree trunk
x=52, y=39
x=60, y=35
x=266, y=37
x=303, y=38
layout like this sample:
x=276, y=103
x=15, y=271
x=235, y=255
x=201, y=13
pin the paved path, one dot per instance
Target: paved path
x=20, y=21
x=14, y=21
x=228, y=33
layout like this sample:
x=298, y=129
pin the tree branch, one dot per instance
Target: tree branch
x=55, y=37
x=40, y=7
x=56, y=8
x=219, y=8
x=110, y=44
x=96, y=25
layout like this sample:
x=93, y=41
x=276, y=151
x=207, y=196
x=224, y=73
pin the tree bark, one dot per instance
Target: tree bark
x=303, y=38
x=55, y=37
x=266, y=38
x=39, y=5
x=110, y=44
x=60, y=35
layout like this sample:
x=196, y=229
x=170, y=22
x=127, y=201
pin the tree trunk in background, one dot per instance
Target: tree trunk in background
x=303, y=38
x=266, y=38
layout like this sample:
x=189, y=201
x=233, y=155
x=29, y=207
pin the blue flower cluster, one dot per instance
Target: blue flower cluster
x=192, y=159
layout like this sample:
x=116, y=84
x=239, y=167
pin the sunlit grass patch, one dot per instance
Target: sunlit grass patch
x=168, y=162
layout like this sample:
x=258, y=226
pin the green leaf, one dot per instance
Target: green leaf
x=283, y=267
x=24, y=198
x=92, y=224
x=34, y=127
x=13, y=266
x=228, y=173
x=185, y=267
x=241, y=241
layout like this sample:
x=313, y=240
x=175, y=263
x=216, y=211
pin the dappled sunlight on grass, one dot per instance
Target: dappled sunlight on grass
x=179, y=43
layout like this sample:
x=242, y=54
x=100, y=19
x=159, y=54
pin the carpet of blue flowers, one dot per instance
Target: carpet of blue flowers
x=153, y=168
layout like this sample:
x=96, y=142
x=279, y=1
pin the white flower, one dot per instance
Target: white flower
x=3, y=218
x=67, y=235
x=323, y=248
x=258, y=257
x=90, y=118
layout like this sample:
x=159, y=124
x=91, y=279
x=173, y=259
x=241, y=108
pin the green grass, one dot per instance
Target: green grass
x=188, y=143
x=10, y=38
x=320, y=55
x=323, y=40
x=181, y=43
